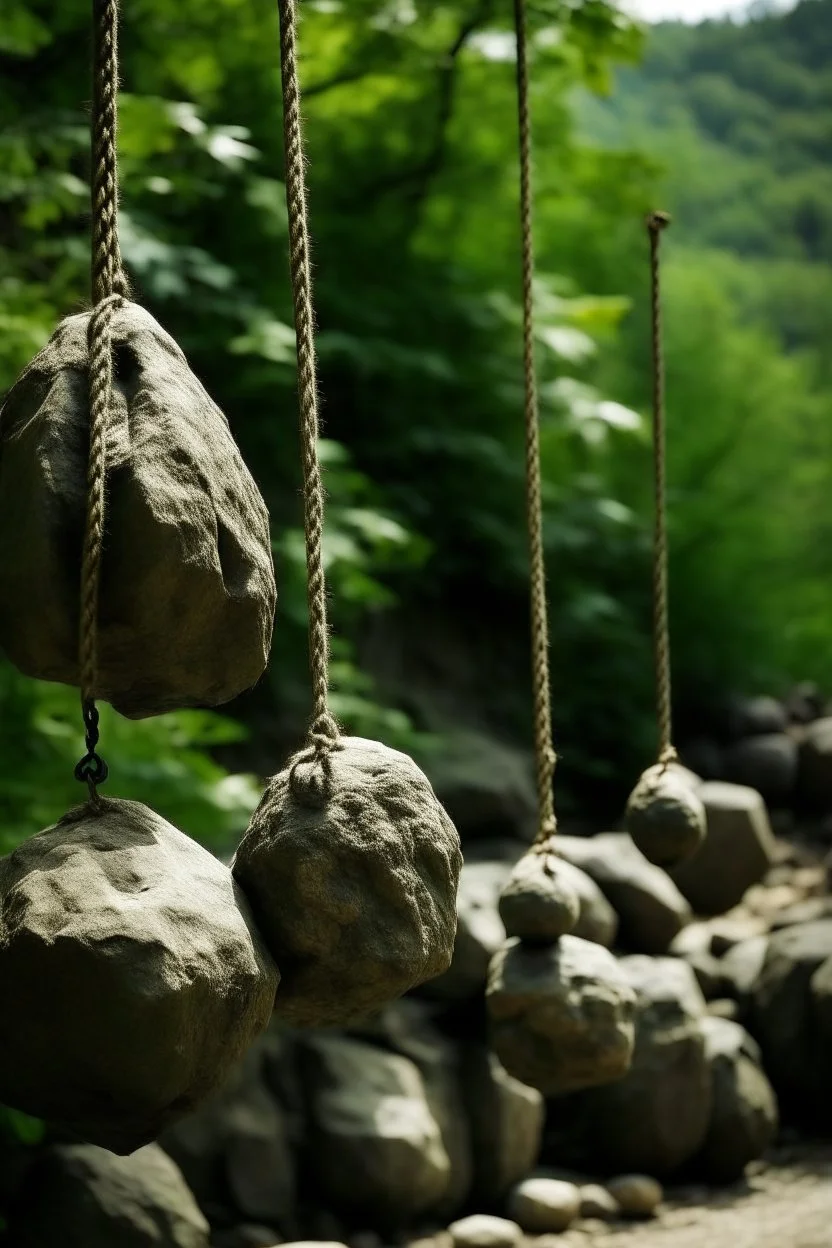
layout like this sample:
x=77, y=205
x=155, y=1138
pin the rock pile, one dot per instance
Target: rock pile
x=406, y=1125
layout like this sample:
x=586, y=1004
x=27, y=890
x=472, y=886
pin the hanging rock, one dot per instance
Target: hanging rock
x=650, y=908
x=736, y=853
x=598, y=1202
x=187, y=583
x=561, y=1016
x=79, y=1196
x=376, y=1148
x=352, y=875
x=137, y=979
x=665, y=816
x=744, y=1114
x=539, y=902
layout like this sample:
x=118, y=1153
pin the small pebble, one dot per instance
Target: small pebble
x=482, y=1230
x=638, y=1195
x=541, y=1205
x=597, y=1202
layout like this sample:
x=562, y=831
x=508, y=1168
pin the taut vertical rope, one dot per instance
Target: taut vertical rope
x=323, y=731
x=656, y=223
x=545, y=758
x=108, y=288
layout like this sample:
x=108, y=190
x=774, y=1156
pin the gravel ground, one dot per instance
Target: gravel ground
x=785, y=1204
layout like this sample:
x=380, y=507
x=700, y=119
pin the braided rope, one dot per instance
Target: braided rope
x=545, y=758
x=656, y=223
x=108, y=288
x=323, y=734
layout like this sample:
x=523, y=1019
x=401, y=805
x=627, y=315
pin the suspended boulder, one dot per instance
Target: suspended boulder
x=131, y=975
x=561, y=1015
x=352, y=869
x=665, y=815
x=187, y=585
x=539, y=901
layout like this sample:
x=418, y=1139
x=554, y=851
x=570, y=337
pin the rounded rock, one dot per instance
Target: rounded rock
x=352, y=871
x=665, y=816
x=483, y=1230
x=137, y=977
x=539, y=902
x=638, y=1195
x=541, y=1205
x=187, y=597
x=561, y=1016
x=598, y=1202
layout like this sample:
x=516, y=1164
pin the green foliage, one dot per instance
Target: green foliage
x=411, y=136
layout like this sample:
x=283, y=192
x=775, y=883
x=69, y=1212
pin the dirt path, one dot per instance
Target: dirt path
x=785, y=1205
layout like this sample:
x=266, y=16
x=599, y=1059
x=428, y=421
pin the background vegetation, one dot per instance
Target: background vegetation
x=411, y=138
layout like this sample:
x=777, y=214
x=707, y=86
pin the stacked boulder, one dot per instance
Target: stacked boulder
x=406, y=1124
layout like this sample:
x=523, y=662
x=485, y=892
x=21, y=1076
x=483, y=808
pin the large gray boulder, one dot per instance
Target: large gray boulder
x=560, y=1016
x=744, y=1113
x=506, y=1123
x=376, y=1150
x=736, y=853
x=784, y=1018
x=814, y=782
x=137, y=977
x=351, y=870
x=757, y=716
x=767, y=763
x=80, y=1196
x=650, y=908
x=187, y=582
x=656, y=1117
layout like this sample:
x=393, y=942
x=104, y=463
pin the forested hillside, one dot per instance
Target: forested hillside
x=411, y=143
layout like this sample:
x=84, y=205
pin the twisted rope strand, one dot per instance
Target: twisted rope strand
x=108, y=288
x=324, y=731
x=545, y=758
x=656, y=223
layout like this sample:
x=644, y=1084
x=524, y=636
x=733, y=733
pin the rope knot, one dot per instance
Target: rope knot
x=658, y=221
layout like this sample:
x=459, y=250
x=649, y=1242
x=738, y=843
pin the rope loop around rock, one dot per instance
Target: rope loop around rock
x=324, y=732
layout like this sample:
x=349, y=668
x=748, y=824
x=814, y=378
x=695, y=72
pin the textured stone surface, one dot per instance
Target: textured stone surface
x=783, y=1018
x=665, y=816
x=353, y=883
x=638, y=1195
x=479, y=934
x=539, y=902
x=376, y=1147
x=736, y=853
x=80, y=1196
x=744, y=1113
x=506, y=1123
x=655, y=1119
x=187, y=585
x=650, y=908
x=544, y=1205
x=137, y=977
x=561, y=1016
x=482, y=1230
